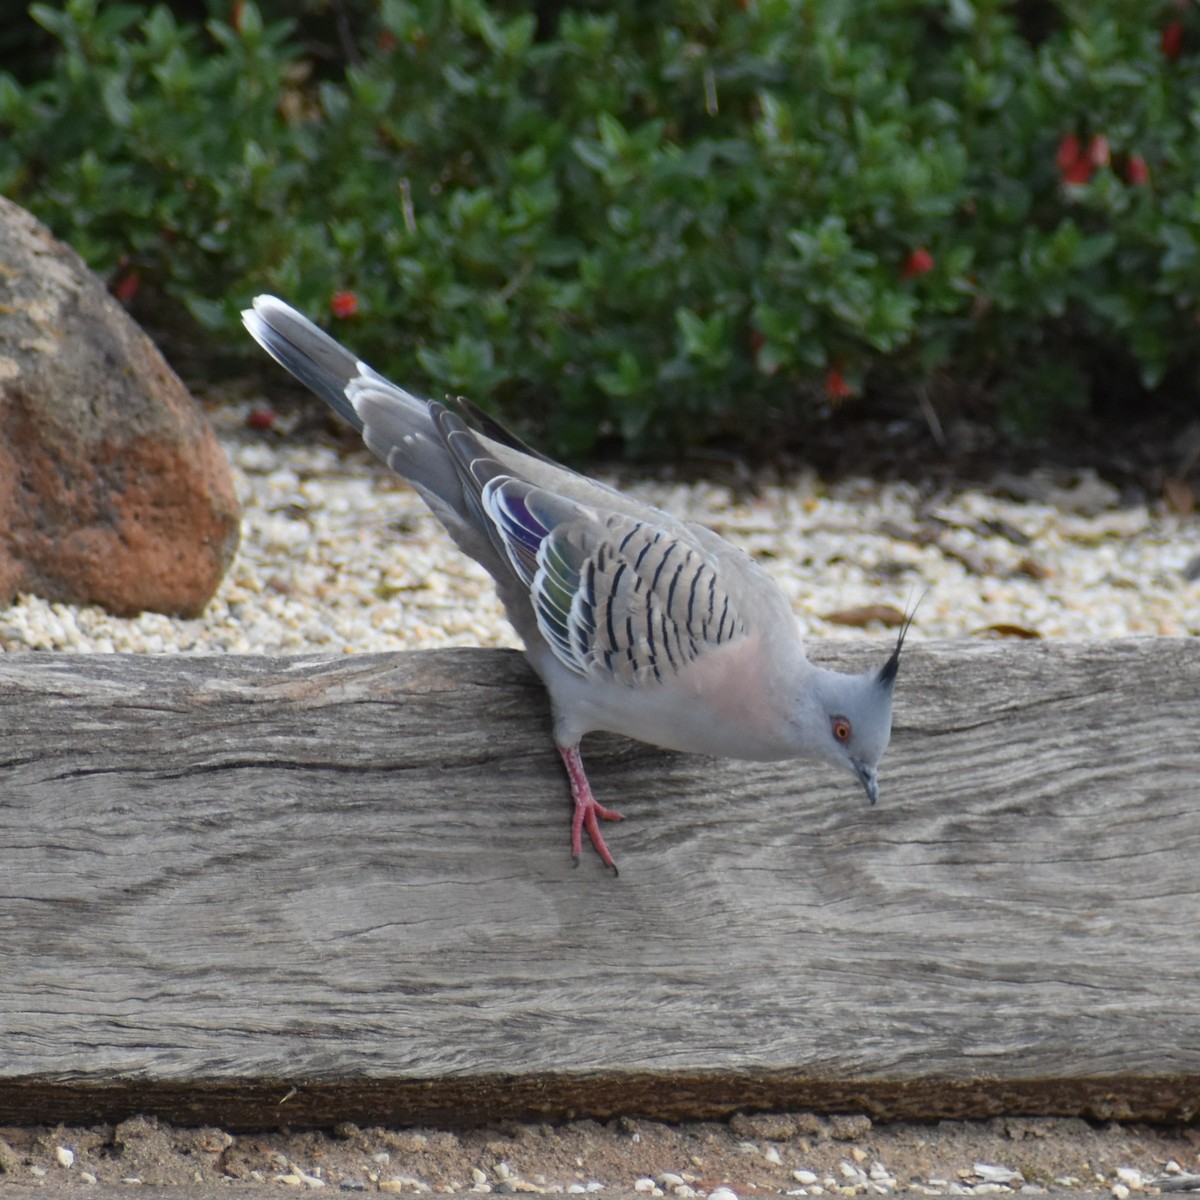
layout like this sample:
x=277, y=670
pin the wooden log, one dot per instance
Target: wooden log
x=296, y=891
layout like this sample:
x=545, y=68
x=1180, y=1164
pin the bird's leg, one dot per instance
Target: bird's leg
x=586, y=809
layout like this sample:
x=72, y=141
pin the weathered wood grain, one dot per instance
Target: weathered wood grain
x=265, y=891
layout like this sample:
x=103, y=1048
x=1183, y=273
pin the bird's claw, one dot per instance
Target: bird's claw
x=588, y=813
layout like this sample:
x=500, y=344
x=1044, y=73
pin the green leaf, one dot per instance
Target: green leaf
x=212, y=314
x=626, y=379
x=52, y=20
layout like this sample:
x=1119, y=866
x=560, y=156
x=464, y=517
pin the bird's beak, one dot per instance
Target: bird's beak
x=866, y=776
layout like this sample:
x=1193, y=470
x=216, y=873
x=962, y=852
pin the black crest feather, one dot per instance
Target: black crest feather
x=887, y=673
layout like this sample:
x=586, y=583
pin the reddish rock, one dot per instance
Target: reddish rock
x=113, y=487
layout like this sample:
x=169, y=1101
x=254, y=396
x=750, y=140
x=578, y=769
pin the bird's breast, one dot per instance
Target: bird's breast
x=728, y=702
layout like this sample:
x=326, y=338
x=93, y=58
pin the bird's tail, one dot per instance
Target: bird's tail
x=309, y=353
x=398, y=426
x=394, y=423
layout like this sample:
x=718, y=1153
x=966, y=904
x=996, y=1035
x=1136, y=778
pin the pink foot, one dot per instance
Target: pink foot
x=586, y=810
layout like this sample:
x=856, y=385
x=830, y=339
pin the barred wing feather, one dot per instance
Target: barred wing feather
x=615, y=596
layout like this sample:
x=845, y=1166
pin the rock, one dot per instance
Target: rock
x=812, y=1124
x=848, y=1127
x=773, y=1127
x=113, y=487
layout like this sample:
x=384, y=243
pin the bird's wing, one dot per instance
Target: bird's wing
x=627, y=595
x=616, y=597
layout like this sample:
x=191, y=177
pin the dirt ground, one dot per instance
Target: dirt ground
x=790, y=1154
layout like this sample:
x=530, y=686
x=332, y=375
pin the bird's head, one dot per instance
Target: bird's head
x=854, y=717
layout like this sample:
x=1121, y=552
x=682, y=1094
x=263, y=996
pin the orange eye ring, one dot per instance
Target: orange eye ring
x=841, y=729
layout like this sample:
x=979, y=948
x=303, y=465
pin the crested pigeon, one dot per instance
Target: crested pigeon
x=638, y=623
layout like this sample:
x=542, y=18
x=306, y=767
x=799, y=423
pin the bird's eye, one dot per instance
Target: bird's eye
x=841, y=729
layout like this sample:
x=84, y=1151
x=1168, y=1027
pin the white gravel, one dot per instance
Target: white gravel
x=339, y=556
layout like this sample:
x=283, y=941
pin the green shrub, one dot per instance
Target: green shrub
x=645, y=219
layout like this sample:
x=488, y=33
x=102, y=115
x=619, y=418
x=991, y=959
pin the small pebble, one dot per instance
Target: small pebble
x=992, y=1173
x=64, y=1156
x=407, y=1181
x=805, y=1177
x=722, y=1193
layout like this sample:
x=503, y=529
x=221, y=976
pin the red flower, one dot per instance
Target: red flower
x=260, y=417
x=836, y=387
x=1079, y=172
x=343, y=304
x=125, y=287
x=1136, y=170
x=1172, y=39
x=1068, y=152
x=1074, y=166
x=919, y=262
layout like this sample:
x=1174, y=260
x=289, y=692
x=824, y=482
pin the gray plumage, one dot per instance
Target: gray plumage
x=638, y=623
